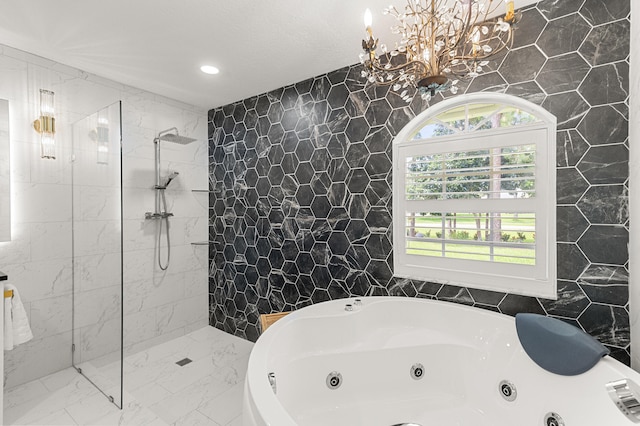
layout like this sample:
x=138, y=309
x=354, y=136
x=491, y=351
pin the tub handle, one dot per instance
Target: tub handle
x=625, y=394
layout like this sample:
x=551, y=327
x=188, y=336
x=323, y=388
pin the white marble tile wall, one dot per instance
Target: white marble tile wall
x=158, y=305
x=5, y=187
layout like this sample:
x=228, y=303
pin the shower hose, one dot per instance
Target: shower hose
x=165, y=218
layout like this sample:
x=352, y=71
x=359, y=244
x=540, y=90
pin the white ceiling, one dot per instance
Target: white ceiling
x=159, y=45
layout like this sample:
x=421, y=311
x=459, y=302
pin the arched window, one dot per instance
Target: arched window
x=474, y=195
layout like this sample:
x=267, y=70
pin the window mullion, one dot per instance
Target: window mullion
x=442, y=235
x=496, y=205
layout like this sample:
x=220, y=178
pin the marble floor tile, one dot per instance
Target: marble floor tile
x=98, y=377
x=235, y=422
x=175, y=380
x=179, y=378
x=159, y=352
x=150, y=394
x=24, y=393
x=62, y=378
x=45, y=405
x=149, y=373
x=225, y=407
x=132, y=414
x=194, y=396
x=135, y=348
x=206, y=392
x=195, y=418
x=87, y=410
x=59, y=418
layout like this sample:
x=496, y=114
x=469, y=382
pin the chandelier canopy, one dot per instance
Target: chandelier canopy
x=441, y=41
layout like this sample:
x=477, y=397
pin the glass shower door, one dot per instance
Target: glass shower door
x=97, y=250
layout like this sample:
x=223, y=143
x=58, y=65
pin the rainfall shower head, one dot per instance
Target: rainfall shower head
x=175, y=138
x=171, y=135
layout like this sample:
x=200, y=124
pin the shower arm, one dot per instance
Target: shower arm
x=166, y=132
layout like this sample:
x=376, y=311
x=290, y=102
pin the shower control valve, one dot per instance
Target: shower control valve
x=154, y=216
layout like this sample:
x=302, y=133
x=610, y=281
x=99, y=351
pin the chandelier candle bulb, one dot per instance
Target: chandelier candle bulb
x=475, y=40
x=368, y=20
x=508, y=17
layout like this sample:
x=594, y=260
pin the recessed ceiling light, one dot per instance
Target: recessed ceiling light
x=208, y=69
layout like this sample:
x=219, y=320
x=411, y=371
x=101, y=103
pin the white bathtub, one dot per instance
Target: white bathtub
x=466, y=353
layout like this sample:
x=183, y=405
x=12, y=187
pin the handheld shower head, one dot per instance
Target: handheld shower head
x=171, y=177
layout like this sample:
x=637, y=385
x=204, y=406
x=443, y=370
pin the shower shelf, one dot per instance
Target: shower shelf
x=200, y=243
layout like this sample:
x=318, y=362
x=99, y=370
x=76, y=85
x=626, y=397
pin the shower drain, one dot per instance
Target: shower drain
x=183, y=362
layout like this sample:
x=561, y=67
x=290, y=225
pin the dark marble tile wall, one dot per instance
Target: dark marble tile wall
x=300, y=204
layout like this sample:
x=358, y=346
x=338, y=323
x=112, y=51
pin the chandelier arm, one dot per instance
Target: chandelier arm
x=458, y=35
x=466, y=24
x=409, y=65
x=441, y=35
x=504, y=44
x=396, y=79
x=491, y=11
x=415, y=30
x=486, y=13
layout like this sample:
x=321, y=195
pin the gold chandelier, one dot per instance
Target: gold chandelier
x=441, y=41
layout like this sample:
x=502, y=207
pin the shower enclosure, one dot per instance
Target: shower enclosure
x=97, y=348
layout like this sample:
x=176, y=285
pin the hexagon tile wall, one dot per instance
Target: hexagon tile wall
x=301, y=181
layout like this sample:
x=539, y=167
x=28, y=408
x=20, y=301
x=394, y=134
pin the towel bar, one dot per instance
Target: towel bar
x=8, y=293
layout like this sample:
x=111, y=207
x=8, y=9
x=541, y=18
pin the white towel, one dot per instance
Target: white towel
x=16, y=323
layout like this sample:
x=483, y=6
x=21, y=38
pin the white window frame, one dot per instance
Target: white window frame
x=538, y=280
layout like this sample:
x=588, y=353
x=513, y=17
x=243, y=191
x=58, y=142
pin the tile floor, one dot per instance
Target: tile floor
x=207, y=391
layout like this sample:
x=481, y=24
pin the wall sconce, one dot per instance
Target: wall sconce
x=46, y=125
x=101, y=136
